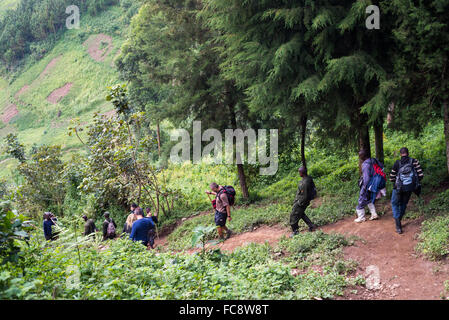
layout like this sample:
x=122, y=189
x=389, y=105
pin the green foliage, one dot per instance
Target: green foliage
x=15, y=148
x=44, y=184
x=78, y=269
x=12, y=229
x=35, y=21
x=434, y=237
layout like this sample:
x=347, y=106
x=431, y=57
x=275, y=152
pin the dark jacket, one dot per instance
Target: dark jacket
x=399, y=163
x=89, y=227
x=105, y=226
x=47, y=229
x=304, y=192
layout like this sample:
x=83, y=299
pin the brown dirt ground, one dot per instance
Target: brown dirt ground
x=50, y=66
x=110, y=113
x=9, y=113
x=403, y=274
x=270, y=234
x=59, y=93
x=94, y=49
x=22, y=90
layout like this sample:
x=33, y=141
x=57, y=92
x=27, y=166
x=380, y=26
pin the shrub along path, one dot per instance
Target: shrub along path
x=386, y=259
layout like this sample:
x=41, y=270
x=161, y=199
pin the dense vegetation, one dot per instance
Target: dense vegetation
x=308, y=68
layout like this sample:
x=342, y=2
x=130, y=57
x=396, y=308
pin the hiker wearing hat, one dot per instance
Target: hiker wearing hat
x=306, y=192
x=109, y=227
x=89, y=226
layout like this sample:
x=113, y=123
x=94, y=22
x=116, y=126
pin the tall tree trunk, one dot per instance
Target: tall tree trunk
x=446, y=130
x=363, y=137
x=379, y=140
x=158, y=132
x=303, y=140
x=390, y=113
x=240, y=170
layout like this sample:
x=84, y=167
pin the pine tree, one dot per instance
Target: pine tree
x=422, y=35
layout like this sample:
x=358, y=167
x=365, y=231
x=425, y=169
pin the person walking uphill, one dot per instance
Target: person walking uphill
x=109, y=227
x=222, y=209
x=371, y=183
x=406, y=175
x=306, y=192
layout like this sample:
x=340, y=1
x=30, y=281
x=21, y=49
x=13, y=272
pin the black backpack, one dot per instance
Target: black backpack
x=230, y=192
x=407, y=178
x=313, y=193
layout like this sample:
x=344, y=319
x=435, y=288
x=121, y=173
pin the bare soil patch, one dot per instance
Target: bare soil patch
x=9, y=113
x=50, y=66
x=99, y=46
x=22, y=90
x=401, y=273
x=59, y=93
x=110, y=114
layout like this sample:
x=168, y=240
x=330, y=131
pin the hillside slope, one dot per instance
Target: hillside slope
x=69, y=82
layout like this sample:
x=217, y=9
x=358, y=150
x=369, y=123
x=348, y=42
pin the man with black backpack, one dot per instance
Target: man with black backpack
x=306, y=192
x=109, y=227
x=406, y=176
x=224, y=199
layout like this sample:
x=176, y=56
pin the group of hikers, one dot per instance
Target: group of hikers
x=138, y=226
x=405, y=175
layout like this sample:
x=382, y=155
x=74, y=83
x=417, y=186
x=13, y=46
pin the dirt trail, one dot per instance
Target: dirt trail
x=401, y=274
x=386, y=259
x=9, y=113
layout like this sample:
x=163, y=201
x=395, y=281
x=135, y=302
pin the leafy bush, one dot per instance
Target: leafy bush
x=434, y=237
x=11, y=230
x=78, y=269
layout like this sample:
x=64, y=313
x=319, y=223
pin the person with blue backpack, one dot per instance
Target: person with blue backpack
x=306, y=192
x=405, y=175
x=372, y=185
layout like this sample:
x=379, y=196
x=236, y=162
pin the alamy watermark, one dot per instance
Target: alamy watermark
x=373, y=20
x=72, y=21
x=257, y=145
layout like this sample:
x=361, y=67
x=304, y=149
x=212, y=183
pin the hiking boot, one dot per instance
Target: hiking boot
x=372, y=210
x=309, y=223
x=294, y=233
x=228, y=234
x=360, y=215
x=398, y=226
